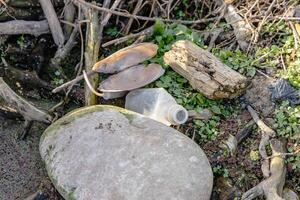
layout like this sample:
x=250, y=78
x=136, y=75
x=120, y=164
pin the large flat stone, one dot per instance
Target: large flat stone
x=109, y=153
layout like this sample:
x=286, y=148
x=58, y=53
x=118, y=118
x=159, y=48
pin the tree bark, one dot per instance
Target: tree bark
x=53, y=22
x=204, y=71
x=91, y=54
x=17, y=27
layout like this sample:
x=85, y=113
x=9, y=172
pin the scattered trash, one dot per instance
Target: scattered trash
x=259, y=96
x=282, y=90
x=233, y=141
x=118, y=61
x=132, y=78
x=203, y=114
x=127, y=57
x=157, y=104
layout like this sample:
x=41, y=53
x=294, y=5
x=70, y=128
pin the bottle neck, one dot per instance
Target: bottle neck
x=177, y=114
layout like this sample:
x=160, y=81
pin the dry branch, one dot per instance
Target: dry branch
x=146, y=32
x=64, y=50
x=267, y=133
x=135, y=11
x=272, y=186
x=24, y=76
x=69, y=16
x=16, y=27
x=26, y=109
x=242, y=29
x=204, y=71
x=91, y=54
x=53, y=22
x=124, y=14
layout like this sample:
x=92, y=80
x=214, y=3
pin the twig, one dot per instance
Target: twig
x=145, y=32
x=135, y=11
x=142, y=17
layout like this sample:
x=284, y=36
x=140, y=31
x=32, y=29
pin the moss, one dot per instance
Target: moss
x=68, y=118
x=71, y=116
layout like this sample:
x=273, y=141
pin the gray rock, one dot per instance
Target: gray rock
x=109, y=153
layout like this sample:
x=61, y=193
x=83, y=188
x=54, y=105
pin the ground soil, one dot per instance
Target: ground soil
x=21, y=169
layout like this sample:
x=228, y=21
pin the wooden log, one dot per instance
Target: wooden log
x=204, y=71
x=17, y=27
x=53, y=22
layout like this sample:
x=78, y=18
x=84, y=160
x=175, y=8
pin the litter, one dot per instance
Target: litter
x=157, y=104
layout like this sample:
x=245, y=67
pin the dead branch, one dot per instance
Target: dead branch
x=64, y=50
x=267, y=133
x=130, y=21
x=146, y=32
x=25, y=77
x=123, y=14
x=271, y=187
x=53, y=22
x=91, y=54
x=106, y=16
x=26, y=109
x=242, y=29
x=17, y=27
x=69, y=16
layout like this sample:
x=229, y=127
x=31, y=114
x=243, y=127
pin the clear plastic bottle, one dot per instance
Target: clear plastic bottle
x=157, y=104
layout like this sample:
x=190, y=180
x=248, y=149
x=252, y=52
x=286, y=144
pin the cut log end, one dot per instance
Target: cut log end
x=204, y=71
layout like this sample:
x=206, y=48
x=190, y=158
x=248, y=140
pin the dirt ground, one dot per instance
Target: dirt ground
x=21, y=169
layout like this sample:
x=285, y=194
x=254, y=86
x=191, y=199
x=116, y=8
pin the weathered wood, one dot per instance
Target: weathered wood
x=91, y=54
x=53, y=22
x=16, y=27
x=242, y=29
x=271, y=187
x=26, y=109
x=69, y=16
x=204, y=71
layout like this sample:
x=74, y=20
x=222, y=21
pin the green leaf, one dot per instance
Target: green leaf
x=159, y=27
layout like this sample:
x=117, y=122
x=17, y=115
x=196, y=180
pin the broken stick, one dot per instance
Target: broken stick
x=53, y=22
x=26, y=109
x=272, y=186
x=17, y=27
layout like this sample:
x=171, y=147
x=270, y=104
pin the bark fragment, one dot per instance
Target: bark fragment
x=204, y=71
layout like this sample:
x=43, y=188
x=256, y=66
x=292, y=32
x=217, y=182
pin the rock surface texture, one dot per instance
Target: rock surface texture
x=105, y=152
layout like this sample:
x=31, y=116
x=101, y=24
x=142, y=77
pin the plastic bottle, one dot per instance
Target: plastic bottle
x=157, y=104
